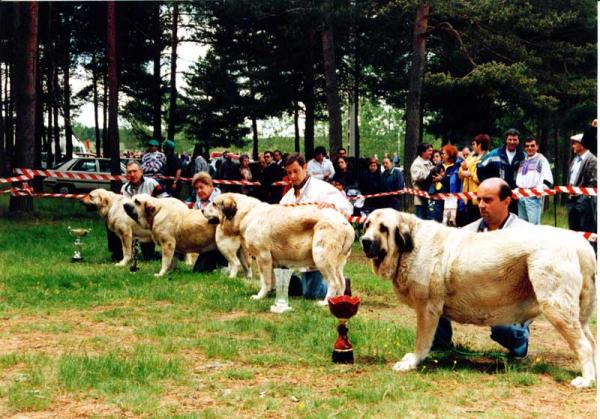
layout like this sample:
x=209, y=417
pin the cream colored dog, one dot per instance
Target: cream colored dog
x=174, y=227
x=496, y=278
x=110, y=207
x=279, y=236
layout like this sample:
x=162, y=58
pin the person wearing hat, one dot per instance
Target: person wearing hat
x=172, y=169
x=153, y=160
x=581, y=209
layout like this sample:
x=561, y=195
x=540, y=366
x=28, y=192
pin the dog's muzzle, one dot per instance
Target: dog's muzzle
x=372, y=249
x=130, y=210
x=89, y=207
x=213, y=220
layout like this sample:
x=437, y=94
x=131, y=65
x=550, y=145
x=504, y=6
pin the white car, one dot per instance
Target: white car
x=84, y=165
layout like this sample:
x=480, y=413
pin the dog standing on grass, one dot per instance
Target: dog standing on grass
x=440, y=271
x=281, y=236
x=110, y=207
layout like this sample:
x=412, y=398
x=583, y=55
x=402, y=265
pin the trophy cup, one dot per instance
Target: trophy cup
x=282, y=284
x=134, y=253
x=343, y=307
x=79, y=233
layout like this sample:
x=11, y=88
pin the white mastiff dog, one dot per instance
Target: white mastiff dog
x=174, y=227
x=110, y=207
x=280, y=236
x=496, y=278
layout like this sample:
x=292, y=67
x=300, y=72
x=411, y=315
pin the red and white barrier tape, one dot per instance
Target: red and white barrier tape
x=14, y=179
x=67, y=175
x=354, y=198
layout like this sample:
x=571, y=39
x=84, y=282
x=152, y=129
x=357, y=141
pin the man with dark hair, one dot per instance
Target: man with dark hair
x=319, y=166
x=272, y=173
x=504, y=162
x=307, y=188
x=581, y=209
x=420, y=173
x=534, y=172
x=494, y=197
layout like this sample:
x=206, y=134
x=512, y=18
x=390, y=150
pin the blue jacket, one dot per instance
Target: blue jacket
x=496, y=165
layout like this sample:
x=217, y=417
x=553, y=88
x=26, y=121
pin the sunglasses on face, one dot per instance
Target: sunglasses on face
x=530, y=146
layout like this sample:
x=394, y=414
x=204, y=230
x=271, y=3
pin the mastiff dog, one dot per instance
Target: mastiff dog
x=174, y=226
x=495, y=278
x=279, y=236
x=110, y=207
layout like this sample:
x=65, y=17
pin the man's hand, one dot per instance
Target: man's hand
x=326, y=205
x=326, y=175
x=174, y=185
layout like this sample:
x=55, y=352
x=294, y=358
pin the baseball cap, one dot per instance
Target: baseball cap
x=153, y=143
x=169, y=144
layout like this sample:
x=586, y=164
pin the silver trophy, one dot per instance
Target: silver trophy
x=282, y=284
x=79, y=233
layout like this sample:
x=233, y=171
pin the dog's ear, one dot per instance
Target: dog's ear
x=404, y=240
x=104, y=200
x=229, y=207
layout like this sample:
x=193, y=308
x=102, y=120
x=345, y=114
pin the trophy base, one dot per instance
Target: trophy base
x=343, y=356
x=76, y=260
x=280, y=309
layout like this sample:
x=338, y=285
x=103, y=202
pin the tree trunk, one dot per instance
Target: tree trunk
x=254, y=137
x=50, y=157
x=173, y=98
x=10, y=140
x=96, y=124
x=26, y=31
x=39, y=116
x=67, y=92
x=413, y=105
x=2, y=155
x=113, y=127
x=105, y=145
x=157, y=117
x=309, y=97
x=331, y=88
x=58, y=156
x=296, y=128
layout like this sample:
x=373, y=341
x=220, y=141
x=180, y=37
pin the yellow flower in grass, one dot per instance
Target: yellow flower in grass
x=538, y=360
x=435, y=360
x=301, y=405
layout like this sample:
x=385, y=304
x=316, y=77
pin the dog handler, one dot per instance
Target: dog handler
x=494, y=197
x=138, y=184
x=306, y=188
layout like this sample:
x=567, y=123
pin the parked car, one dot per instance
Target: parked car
x=85, y=165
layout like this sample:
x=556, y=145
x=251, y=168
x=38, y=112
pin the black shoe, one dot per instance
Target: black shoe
x=348, y=289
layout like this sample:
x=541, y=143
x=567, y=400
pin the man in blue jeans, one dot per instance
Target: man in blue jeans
x=494, y=197
x=306, y=188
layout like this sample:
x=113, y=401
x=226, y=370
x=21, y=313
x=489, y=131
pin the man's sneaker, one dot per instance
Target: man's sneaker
x=348, y=289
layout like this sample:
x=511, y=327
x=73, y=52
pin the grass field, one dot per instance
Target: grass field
x=93, y=340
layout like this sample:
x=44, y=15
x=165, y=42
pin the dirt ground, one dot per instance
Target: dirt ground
x=546, y=399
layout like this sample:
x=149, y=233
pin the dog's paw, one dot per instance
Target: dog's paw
x=322, y=303
x=258, y=296
x=249, y=274
x=159, y=274
x=581, y=382
x=122, y=263
x=409, y=362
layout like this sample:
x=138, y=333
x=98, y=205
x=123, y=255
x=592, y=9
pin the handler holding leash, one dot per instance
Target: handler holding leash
x=138, y=184
x=310, y=189
x=494, y=197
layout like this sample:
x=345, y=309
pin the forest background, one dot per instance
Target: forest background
x=380, y=75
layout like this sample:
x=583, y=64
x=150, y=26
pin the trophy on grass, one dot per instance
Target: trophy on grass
x=343, y=307
x=282, y=284
x=134, y=255
x=79, y=233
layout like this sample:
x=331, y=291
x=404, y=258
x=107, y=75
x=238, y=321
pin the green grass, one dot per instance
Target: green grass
x=196, y=346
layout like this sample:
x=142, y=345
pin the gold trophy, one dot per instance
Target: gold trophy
x=79, y=233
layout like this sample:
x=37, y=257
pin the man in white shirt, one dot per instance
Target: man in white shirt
x=320, y=167
x=534, y=172
x=307, y=188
